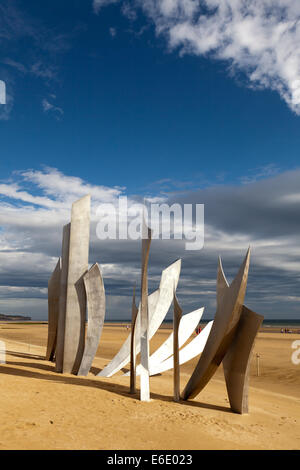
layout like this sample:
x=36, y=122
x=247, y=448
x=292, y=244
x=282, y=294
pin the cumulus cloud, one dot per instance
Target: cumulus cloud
x=35, y=204
x=65, y=188
x=260, y=38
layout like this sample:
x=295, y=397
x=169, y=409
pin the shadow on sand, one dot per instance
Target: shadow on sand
x=100, y=383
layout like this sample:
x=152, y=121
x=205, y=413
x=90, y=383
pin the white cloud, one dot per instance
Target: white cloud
x=112, y=32
x=98, y=4
x=50, y=107
x=261, y=38
x=34, y=221
x=13, y=191
x=65, y=188
x=290, y=198
x=259, y=173
x=129, y=11
x=43, y=71
x=16, y=65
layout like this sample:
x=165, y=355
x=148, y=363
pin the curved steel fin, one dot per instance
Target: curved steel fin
x=191, y=350
x=53, y=310
x=159, y=303
x=187, y=326
x=95, y=294
x=134, y=312
x=177, y=313
x=144, y=375
x=236, y=363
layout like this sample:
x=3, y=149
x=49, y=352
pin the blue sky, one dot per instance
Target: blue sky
x=149, y=98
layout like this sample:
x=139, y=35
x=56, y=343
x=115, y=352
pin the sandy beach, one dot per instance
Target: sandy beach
x=40, y=409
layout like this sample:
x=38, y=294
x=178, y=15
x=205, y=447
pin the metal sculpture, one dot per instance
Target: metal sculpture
x=236, y=363
x=95, y=293
x=53, y=310
x=231, y=341
x=134, y=312
x=72, y=299
x=177, y=313
x=159, y=303
x=229, y=309
x=144, y=374
x=191, y=350
x=76, y=297
x=59, y=353
x=2, y=352
x=187, y=326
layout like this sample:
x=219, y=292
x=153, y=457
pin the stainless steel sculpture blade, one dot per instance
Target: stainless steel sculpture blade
x=123, y=356
x=191, y=350
x=187, y=326
x=159, y=303
x=59, y=353
x=134, y=312
x=2, y=352
x=227, y=316
x=76, y=297
x=95, y=293
x=177, y=313
x=53, y=310
x=144, y=374
x=236, y=362
x=222, y=284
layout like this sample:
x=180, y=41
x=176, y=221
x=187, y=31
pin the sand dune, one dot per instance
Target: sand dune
x=41, y=409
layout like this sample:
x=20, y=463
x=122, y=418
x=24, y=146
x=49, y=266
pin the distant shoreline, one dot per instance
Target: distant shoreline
x=268, y=326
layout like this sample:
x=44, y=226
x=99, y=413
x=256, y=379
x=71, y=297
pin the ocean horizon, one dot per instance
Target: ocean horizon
x=267, y=322
x=284, y=322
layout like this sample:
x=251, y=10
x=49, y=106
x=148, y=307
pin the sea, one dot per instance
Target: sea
x=282, y=322
x=275, y=323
